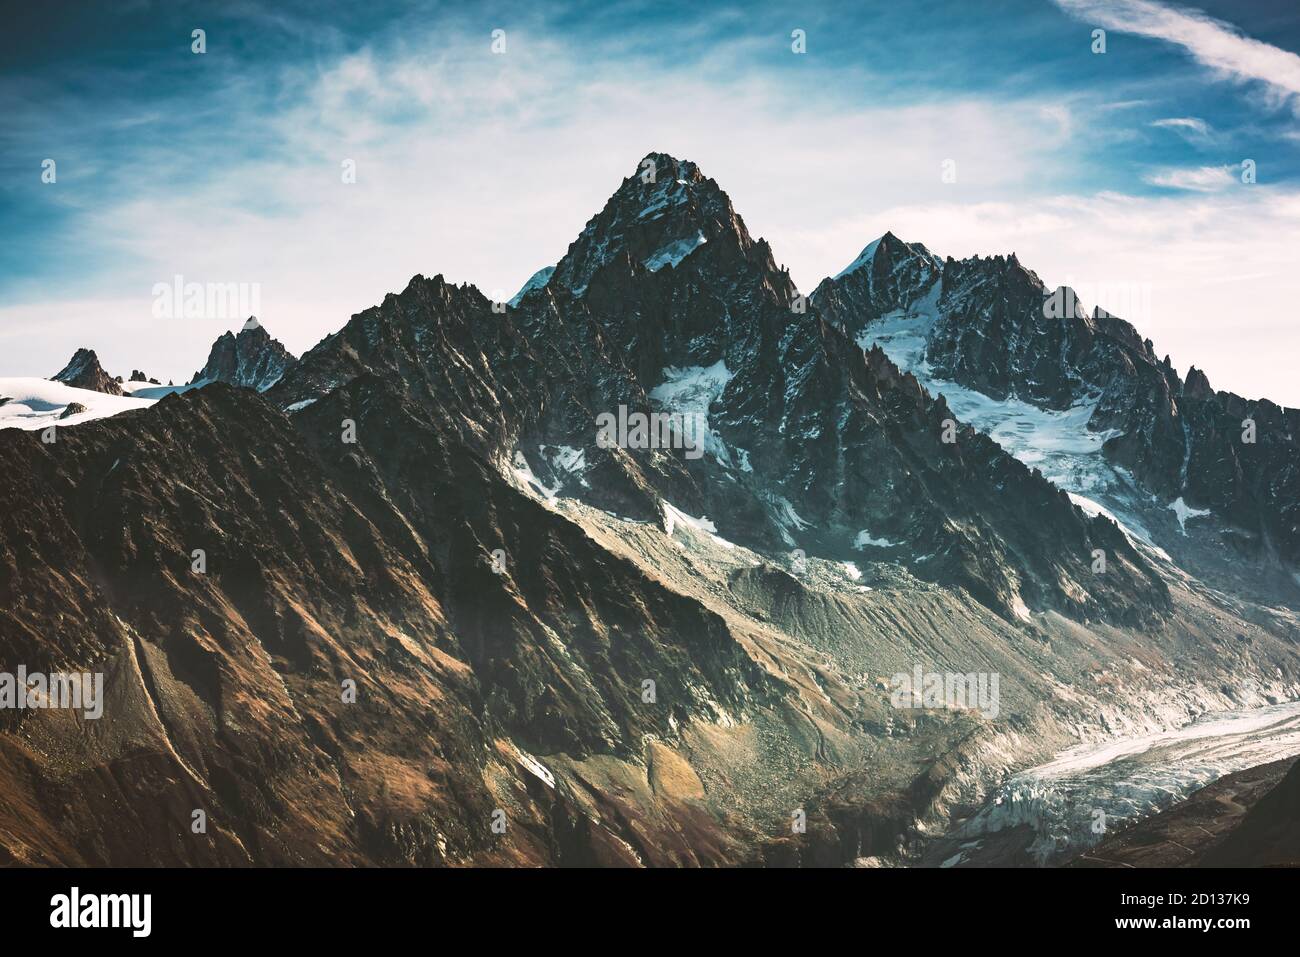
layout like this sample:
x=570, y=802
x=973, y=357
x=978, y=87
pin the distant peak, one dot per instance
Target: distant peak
x=536, y=281
x=84, y=372
x=251, y=358
x=893, y=247
x=656, y=167
x=864, y=258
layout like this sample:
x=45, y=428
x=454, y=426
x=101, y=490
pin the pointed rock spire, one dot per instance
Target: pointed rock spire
x=83, y=371
x=251, y=359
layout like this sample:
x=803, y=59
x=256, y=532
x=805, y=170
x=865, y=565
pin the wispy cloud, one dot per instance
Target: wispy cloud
x=485, y=167
x=1191, y=128
x=1215, y=44
x=1201, y=179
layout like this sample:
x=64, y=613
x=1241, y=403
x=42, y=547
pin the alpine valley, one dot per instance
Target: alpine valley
x=396, y=601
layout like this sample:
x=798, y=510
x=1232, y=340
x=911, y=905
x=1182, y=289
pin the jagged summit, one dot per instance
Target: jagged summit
x=1197, y=385
x=251, y=359
x=83, y=371
x=893, y=250
x=657, y=217
x=889, y=273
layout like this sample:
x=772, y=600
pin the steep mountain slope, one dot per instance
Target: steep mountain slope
x=83, y=371
x=567, y=650
x=989, y=327
x=226, y=683
x=251, y=359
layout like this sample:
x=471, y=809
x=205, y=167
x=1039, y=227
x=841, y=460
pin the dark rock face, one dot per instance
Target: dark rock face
x=888, y=274
x=251, y=359
x=999, y=330
x=73, y=408
x=83, y=371
x=1269, y=834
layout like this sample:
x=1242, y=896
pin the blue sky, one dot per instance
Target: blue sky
x=1118, y=173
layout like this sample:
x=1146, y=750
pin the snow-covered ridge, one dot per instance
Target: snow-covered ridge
x=1057, y=443
x=34, y=403
x=864, y=258
x=536, y=281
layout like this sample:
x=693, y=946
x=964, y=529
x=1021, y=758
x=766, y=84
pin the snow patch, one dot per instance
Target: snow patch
x=864, y=539
x=787, y=519
x=690, y=391
x=864, y=258
x=565, y=458
x=524, y=475
x=674, y=252
x=674, y=517
x=1184, y=512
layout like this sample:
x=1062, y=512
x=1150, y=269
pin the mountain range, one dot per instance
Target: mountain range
x=396, y=602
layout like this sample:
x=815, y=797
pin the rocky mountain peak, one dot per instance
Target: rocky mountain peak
x=888, y=274
x=657, y=217
x=83, y=371
x=889, y=253
x=1197, y=385
x=251, y=359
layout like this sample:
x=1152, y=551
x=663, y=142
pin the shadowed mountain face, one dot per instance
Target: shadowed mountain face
x=401, y=591
x=992, y=326
x=226, y=684
x=1268, y=835
x=251, y=359
x=83, y=371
